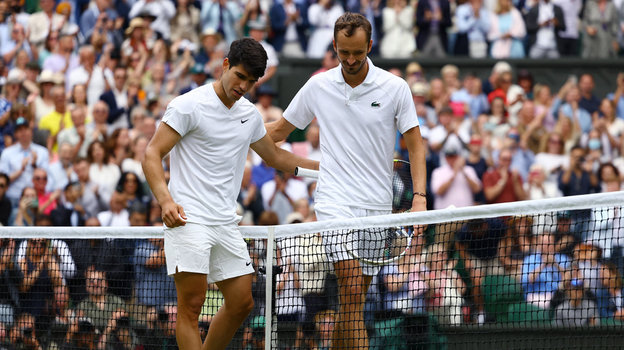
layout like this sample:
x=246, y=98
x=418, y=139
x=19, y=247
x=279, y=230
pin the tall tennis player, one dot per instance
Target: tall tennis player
x=359, y=108
x=208, y=132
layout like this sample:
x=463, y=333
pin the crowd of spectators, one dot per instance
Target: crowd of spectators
x=85, y=83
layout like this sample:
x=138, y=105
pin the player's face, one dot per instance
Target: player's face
x=236, y=82
x=352, y=51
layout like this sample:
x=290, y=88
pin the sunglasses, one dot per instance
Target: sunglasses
x=40, y=178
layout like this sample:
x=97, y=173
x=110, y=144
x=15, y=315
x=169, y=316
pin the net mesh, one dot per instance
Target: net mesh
x=528, y=275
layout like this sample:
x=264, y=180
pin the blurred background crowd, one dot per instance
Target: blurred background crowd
x=85, y=83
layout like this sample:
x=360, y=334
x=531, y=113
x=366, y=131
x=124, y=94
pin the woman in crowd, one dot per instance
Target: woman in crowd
x=78, y=99
x=507, y=30
x=132, y=189
x=600, y=28
x=185, y=23
x=118, y=145
x=27, y=209
x=398, y=28
x=543, y=105
x=102, y=171
x=552, y=156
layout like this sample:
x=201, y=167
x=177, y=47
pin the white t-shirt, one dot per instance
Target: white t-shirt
x=207, y=163
x=358, y=133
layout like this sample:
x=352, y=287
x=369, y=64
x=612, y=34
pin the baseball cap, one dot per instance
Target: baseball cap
x=451, y=151
x=20, y=122
x=265, y=89
x=197, y=68
x=294, y=217
x=420, y=89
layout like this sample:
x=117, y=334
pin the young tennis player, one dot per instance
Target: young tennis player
x=209, y=131
x=359, y=108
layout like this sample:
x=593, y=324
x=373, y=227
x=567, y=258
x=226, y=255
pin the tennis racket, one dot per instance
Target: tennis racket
x=381, y=246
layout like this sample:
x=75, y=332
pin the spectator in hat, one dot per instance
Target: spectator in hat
x=288, y=24
x=454, y=183
x=136, y=39
x=426, y=114
x=222, y=16
x=213, y=48
x=44, y=103
x=265, y=95
x=41, y=23
x=19, y=160
x=162, y=10
x=198, y=78
x=257, y=30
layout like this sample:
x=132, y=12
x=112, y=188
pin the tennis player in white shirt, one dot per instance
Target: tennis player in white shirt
x=208, y=132
x=359, y=108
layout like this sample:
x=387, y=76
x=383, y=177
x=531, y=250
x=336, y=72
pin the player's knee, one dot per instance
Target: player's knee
x=242, y=307
x=192, y=305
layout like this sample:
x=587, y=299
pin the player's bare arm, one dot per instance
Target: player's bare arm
x=280, y=159
x=161, y=144
x=280, y=129
x=418, y=167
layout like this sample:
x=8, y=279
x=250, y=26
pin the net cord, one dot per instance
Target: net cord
x=268, y=301
x=532, y=207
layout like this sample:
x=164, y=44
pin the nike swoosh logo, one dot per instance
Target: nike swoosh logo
x=248, y=263
x=244, y=121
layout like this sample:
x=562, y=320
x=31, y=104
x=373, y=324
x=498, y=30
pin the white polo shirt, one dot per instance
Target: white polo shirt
x=207, y=163
x=358, y=133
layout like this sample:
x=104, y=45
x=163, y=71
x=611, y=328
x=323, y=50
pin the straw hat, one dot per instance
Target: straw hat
x=136, y=22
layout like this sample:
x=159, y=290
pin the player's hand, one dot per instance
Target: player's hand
x=173, y=214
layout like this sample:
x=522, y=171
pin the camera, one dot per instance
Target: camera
x=123, y=322
x=27, y=332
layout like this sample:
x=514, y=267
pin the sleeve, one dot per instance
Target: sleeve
x=298, y=112
x=463, y=19
x=68, y=267
x=259, y=130
x=180, y=122
x=406, y=117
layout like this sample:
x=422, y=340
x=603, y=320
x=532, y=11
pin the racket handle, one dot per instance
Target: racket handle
x=309, y=173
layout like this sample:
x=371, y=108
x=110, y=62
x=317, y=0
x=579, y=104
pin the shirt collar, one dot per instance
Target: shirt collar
x=371, y=76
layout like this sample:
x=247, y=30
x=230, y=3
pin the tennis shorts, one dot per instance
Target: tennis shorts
x=334, y=241
x=217, y=251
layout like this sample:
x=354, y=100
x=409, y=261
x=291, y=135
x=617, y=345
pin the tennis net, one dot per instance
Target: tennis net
x=534, y=274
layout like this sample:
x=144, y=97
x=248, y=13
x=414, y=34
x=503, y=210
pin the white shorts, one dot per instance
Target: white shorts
x=334, y=240
x=217, y=251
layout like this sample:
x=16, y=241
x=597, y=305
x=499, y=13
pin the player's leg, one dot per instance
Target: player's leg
x=191, y=289
x=236, y=307
x=350, y=331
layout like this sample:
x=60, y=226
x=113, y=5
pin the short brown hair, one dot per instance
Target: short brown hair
x=349, y=22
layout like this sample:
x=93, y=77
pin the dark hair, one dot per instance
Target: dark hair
x=250, y=54
x=122, y=182
x=90, y=151
x=349, y=22
x=608, y=165
x=5, y=176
